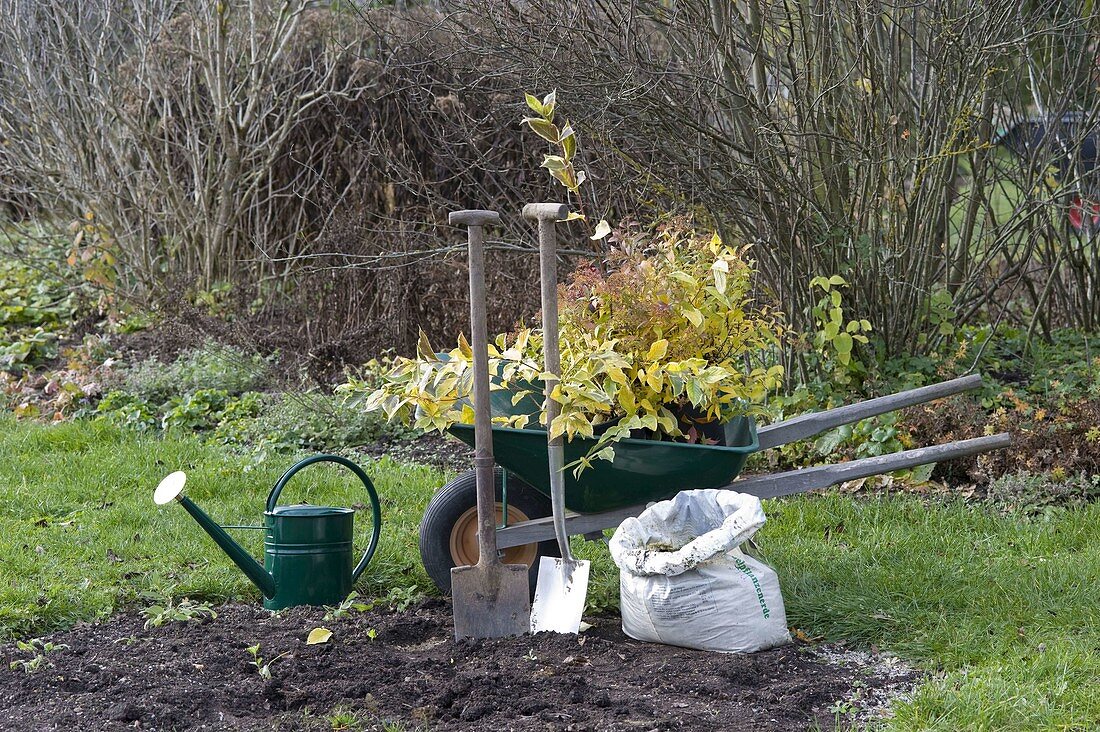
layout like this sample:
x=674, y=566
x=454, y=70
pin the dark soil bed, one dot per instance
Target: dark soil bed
x=190, y=676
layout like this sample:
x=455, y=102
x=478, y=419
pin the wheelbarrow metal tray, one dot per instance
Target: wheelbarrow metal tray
x=642, y=471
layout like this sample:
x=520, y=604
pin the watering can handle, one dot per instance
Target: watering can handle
x=375, y=507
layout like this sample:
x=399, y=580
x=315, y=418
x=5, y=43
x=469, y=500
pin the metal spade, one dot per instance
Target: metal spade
x=491, y=599
x=562, y=583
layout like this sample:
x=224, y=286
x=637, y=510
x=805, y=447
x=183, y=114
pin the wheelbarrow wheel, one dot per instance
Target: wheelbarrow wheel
x=448, y=531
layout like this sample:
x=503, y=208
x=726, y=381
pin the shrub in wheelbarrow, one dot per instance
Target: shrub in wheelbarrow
x=660, y=340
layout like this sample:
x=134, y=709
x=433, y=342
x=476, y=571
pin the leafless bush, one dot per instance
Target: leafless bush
x=301, y=155
x=849, y=138
x=206, y=139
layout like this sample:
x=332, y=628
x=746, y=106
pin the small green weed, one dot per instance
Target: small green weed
x=217, y=301
x=184, y=611
x=32, y=666
x=261, y=424
x=127, y=410
x=346, y=720
x=842, y=708
x=307, y=421
x=350, y=604
x=27, y=349
x=398, y=598
x=836, y=336
x=194, y=412
x=401, y=598
x=262, y=668
x=391, y=726
x=38, y=650
x=869, y=437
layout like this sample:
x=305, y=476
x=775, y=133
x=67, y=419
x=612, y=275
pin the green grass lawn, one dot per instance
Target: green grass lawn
x=1004, y=611
x=1007, y=608
x=81, y=537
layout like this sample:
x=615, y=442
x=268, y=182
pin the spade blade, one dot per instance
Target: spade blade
x=559, y=595
x=490, y=600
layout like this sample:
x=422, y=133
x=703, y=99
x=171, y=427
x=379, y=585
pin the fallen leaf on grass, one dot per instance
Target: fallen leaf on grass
x=318, y=636
x=801, y=636
x=852, y=486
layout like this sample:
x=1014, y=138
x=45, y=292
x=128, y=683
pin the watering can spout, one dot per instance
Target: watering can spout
x=171, y=488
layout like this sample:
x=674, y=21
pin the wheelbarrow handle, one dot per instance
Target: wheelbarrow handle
x=808, y=425
x=824, y=476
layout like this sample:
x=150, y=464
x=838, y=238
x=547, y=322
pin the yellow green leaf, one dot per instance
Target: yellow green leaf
x=557, y=429
x=318, y=636
x=554, y=163
x=464, y=347
x=654, y=381
x=546, y=130
x=843, y=343
x=685, y=278
x=626, y=401
x=568, y=142
x=602, y=229
x=657, y=350
x=719, y=280
x=534, y=103
x=424, y=348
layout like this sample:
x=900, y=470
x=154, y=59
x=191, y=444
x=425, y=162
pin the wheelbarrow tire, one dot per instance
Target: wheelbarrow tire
x=448, y=530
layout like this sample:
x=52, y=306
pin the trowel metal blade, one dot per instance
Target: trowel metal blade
x=559, y=595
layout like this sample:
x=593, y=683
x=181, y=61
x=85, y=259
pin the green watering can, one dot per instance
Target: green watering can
x=307, y=549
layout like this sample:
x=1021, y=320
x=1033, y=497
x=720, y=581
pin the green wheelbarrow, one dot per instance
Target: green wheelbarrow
x=644, y=471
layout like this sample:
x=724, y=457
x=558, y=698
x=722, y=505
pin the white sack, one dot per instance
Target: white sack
x=683, y=580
